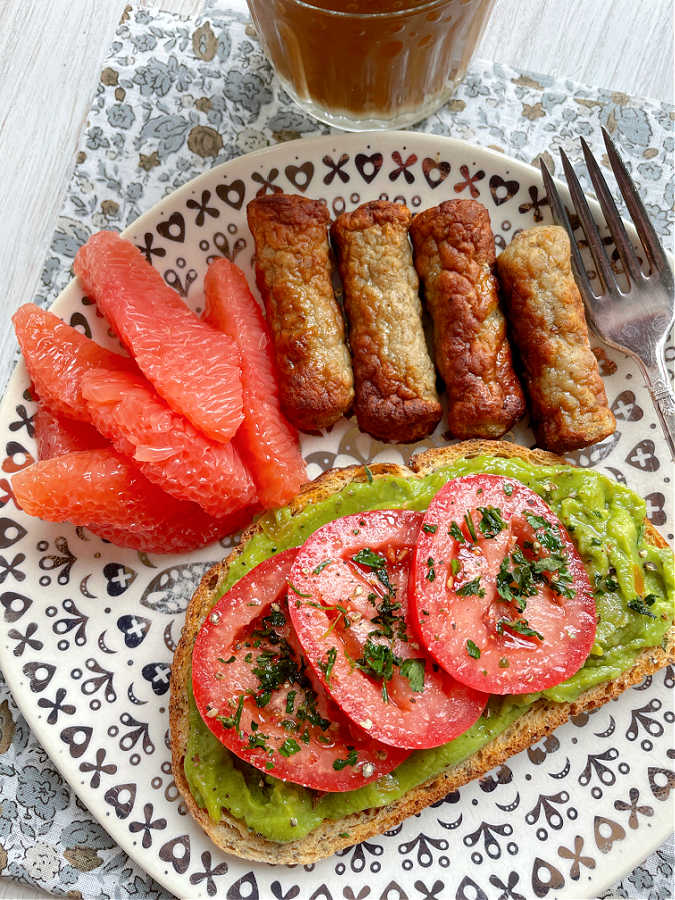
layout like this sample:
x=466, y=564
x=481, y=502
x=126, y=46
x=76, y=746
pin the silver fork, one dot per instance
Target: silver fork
x=636, y=321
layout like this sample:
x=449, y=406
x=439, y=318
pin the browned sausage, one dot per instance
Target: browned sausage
x=396, y=397
x=454, y=256
x=567, y=398
x=294, y=276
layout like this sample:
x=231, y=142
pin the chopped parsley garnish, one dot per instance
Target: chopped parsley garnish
x=369, y=558
x=537, y=521
x=548, y=563
x=289, y=747
x=547, y=537
x=455, y=531
x=296, y=591
x=431, y=572
x=413, y=670
x=455, y=566
x=327, y=666
x=275, y=619
x=471, y=589
x=470, y=526
x=507, y=488
x=260, y=740
x=491, y=522
x=376, y=562
x=290, y=701
x=226, y=661
x=321, y=566
x=430, y=529
x=369, y=475
x=350, y=760
x=641, y=605
x=389, y=620
x=378, y=660
x=472, y=649
x=235, y=720
x=520, y=626
x=273, y=668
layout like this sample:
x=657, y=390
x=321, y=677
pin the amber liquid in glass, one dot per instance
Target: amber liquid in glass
x=377, y=62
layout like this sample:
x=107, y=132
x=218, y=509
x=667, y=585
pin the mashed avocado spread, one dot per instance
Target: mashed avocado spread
x=606, y=522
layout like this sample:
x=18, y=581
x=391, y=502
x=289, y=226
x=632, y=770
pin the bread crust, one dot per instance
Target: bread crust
x=294, y=275
x=568, y=404
x=395, y=381
x=454, y=257
x=234, y=836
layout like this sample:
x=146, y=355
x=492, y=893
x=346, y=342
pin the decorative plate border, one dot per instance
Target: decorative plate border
x=87, y=629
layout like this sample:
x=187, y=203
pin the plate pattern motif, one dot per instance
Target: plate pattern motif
x=87, y=630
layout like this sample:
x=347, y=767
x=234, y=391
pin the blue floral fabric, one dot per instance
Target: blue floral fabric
x=177, y=96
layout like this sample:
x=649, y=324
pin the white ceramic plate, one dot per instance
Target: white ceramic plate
x=86, y=637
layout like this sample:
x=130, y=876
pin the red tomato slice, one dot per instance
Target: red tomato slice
x=348, y=603
x=499, y=592
x=256, y=693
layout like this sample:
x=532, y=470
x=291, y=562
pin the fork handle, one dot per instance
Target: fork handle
x=661, y=390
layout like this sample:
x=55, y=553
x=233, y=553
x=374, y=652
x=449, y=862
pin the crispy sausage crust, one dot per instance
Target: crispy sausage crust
x=396, y=397
x=293, y=273
x=568, y=404
x=454, y=257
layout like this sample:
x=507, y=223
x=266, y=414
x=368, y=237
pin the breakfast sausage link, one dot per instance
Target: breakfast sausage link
x=454, y=257
x=293, y=273
x=568, y=404
x=396, y=397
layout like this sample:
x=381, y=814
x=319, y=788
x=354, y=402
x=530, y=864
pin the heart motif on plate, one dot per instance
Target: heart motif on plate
x=368, y=165
x=502, y=190
x=435, y=172
x=300, y=176
x=173, y=228
x=233, y=194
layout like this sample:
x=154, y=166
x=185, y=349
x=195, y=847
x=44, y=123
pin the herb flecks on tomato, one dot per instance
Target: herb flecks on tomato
x=379, y=676
x=511, y=608
x=257, y=694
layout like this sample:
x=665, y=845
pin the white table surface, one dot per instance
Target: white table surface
x=50, y=58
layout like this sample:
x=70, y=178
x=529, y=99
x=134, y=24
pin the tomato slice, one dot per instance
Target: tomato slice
x=348, y=603
x=257, y=695
x=499, y=593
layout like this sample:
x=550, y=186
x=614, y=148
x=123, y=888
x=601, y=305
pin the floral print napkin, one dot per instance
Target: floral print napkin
x=177, y=96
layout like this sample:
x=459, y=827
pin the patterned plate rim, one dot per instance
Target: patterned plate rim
x=417, y=142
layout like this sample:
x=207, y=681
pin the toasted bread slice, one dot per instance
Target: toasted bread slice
x=233, y=836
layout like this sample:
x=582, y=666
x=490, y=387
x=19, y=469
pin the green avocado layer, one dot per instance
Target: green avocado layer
x=605, y=520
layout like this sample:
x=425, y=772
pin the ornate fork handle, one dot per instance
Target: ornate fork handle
x=661, y=391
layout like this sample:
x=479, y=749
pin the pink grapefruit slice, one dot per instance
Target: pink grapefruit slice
x=164, y=445
x=103, y=491
x=56, y=435
x=57, y=356
x=267, y=441
x=194, y=367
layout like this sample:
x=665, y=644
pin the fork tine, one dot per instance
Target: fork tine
x=590, y=228
x=643, y=226
x=611, y=214
x=560, y=218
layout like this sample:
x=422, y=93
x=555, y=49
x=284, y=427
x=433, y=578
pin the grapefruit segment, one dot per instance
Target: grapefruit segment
x=56, y=435
x=267, y=441
x=57, y=356
x=194, y=367
x=106, y=493
x=164, y=445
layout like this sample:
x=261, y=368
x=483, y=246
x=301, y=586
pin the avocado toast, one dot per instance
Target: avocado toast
x=250, y=815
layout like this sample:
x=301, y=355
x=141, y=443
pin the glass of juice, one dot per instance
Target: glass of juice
x=364, y=64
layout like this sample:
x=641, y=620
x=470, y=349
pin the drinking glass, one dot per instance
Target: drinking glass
x=370, y=64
